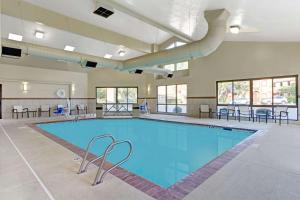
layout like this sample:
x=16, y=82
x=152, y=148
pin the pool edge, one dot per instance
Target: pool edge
x=176, y=191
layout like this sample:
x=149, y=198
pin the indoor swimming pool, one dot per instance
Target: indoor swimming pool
x=163, y=152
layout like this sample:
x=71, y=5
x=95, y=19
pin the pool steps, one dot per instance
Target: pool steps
x=100, y=175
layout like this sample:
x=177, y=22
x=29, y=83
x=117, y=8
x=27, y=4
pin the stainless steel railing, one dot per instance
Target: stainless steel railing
x=83, y=166
x=100, y=176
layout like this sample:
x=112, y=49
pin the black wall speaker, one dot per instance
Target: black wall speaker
x=91, y=64
x=138, y=71
x=170, y=75
x=11, y=52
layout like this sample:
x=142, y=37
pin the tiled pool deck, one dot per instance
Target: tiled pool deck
x=188, y=188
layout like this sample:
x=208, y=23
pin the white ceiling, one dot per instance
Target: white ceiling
x=276, y=20
x=118, y=22
x=58, y=39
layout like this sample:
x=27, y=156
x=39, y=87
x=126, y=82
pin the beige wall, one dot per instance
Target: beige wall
x=113, y=78
x=42, y=83
x=235, y=60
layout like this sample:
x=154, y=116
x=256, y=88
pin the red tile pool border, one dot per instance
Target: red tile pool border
x=180, y=189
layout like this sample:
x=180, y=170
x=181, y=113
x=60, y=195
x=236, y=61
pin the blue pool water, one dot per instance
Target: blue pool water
x=163, y=152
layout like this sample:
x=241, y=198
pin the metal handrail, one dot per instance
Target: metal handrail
x=99, y=177
x=83, y=167
x=117, y=106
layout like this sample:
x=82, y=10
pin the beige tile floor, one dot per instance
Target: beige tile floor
x=268, y=169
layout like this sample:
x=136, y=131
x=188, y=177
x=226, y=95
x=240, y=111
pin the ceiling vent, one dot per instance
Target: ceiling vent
x=103, y=10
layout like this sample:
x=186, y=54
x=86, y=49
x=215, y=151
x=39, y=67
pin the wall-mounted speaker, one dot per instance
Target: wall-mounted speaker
x=90, y=64
x=138, y=71
x=11, y=52
x=170, y=75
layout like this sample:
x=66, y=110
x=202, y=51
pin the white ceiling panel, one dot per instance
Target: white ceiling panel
x=58, y=39
x=118, y=22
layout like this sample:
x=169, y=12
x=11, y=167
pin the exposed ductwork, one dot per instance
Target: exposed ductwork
x=217, y=22
x=61, y=55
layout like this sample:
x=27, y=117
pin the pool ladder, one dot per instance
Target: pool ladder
x=100, y=175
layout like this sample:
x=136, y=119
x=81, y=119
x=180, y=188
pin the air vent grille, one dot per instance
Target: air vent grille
x=103, y=12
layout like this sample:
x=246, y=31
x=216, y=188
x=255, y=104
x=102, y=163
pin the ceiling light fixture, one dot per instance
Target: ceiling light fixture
x=235, y=29
x=122, y=53
x=69, y=48
x=15, y=37
x=108, y=56
x=39, y=34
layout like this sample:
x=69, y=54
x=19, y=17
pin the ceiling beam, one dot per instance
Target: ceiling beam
x=26, y=11
x=147, y=20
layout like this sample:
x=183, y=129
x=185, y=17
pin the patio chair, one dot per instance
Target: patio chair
x=33, y=110
x=263, y=113
x=60, y=110
x=204, y=109
x=45, y=109
x=81, y=107
x=229, y=111
x=281, y=113
x=18, y=109
x=244, y=111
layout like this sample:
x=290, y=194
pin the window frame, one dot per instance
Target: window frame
x=116, y=96
x=251, y=91
x=166, y=99
x=175, y=66
x=174, y=45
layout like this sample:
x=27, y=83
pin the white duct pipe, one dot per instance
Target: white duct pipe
x=60, y=55
x=217, y=20
x=217, y=23
x=157, y=71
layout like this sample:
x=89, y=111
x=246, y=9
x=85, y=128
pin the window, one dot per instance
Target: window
x=284, y=91
x=225, y=92
x=170, y=67
x=177, y=66
x=117, y=95
x=182, y=66
x=172, y=98
x=175, y=44
x=241, y=92
x=264, y=92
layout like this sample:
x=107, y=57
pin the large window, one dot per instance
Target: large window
x=177, y=66
x=259, y=92
x=172, y=98
x=234, y=92
x=262, y=92
x=117, y=95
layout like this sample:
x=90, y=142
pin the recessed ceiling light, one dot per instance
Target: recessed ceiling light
x=15, y=37
x=122, y=53
x=108, y=56
x=69, y=48
x=235, y=29
x=39, y=34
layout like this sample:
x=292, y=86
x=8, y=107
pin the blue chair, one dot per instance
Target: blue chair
x=228, y=112
x=60, y=110
x=263, y=113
